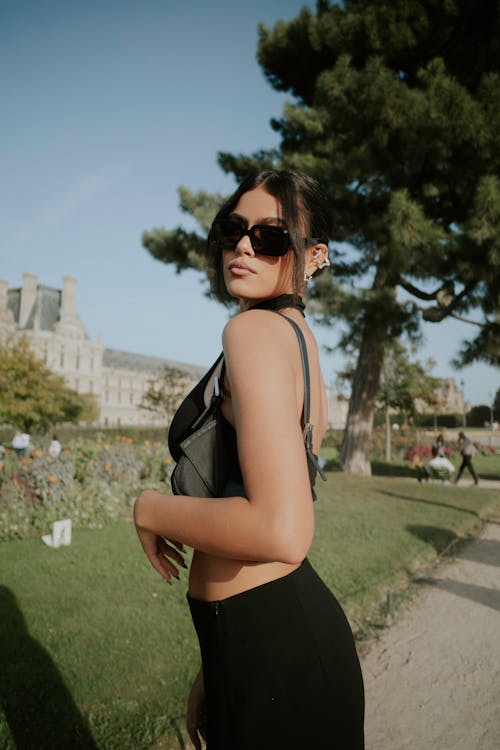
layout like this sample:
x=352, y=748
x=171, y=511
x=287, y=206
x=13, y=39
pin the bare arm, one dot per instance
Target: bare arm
x=276, y=522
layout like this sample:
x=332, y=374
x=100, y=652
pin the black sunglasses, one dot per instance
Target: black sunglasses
x=265, y=239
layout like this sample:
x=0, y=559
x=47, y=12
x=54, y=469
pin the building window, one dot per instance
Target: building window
x=131, y=398
x=91, y=386
x=119, y=397
x=77, y=361
x=61, y=357
x=106, y=396
x=92, y=364
x=77, y=382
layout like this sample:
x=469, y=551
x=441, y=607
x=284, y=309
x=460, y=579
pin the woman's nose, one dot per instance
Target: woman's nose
x=244, y=246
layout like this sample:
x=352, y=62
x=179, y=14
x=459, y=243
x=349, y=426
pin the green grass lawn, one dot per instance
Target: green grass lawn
x=97, y=652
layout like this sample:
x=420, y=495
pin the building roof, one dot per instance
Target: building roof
x=45, y=310
x=141, y=362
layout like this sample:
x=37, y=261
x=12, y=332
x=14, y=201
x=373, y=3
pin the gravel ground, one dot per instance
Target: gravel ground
x=433, y=679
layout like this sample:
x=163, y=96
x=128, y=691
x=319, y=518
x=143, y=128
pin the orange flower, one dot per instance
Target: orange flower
x=106, y=467
x=1, y=467
x=168, y=461
x=53, y=479
x=67, y=450
x=37, y=453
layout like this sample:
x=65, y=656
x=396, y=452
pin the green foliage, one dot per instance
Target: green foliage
x=395, y=106
x=93, y=482
x=31, y=396
x=496, y=406
x=402, y=381
x=478, y=416
x=402, y=129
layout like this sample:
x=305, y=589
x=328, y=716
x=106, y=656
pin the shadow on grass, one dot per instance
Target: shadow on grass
x=424, y=501
x=386, y=469
x=39, y=709
x=437, y=537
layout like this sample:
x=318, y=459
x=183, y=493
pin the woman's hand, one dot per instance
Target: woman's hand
x=158, y=551
x=196, y=712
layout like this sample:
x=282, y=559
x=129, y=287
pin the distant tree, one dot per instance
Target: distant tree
x=397, y=109
x=402, y=384
x=479, y=415
x=165, y=392
x=31, y=396
x=496, y=406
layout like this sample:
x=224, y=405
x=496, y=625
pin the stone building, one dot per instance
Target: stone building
x=48, y=318
x=338, y=406
x=449, y=399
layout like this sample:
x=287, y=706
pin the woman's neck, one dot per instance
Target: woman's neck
x=274, y=303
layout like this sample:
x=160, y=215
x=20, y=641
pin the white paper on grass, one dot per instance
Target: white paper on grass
x=61, y=534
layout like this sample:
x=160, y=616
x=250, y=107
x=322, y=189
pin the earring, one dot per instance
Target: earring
x=325, y=264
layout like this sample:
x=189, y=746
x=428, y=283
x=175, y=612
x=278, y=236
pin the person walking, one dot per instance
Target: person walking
x=279, y=667
x=467, y=450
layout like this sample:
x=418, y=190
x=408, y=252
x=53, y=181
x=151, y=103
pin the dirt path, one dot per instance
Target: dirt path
x=433, y=679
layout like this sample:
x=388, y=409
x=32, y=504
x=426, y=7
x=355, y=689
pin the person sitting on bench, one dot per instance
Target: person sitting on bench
x=439, y=467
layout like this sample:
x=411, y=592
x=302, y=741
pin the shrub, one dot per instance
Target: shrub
x=93, y=482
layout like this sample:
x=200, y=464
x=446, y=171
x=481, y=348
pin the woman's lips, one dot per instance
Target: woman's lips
x=239, y=269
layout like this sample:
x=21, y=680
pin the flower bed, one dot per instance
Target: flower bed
x=93, y=482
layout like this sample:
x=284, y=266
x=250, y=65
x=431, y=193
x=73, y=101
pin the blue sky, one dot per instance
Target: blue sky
x=107, y=107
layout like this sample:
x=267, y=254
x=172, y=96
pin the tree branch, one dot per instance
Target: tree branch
x=418, y=292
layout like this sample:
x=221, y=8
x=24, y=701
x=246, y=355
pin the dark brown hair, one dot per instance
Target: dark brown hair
x=304, y=212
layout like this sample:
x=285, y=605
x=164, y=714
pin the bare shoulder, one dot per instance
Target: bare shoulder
x=253, y=330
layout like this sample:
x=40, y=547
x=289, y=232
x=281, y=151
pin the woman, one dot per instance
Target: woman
x=279, y=664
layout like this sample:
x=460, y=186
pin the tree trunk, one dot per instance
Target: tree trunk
x=355, y=457
x=388, y=446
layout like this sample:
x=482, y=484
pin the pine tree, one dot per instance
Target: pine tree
x=396, y=108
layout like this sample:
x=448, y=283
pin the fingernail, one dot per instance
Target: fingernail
x=167, y=580
x=176, y=576
x=183, y=564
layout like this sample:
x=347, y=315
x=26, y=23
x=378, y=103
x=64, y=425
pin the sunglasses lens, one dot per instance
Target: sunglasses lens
x=226, y=234
x=268, y=240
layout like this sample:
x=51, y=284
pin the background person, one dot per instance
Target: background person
x=54, y=447
x=21, y=443
x=279, y=663
x=440, y=445
x=467, y=451
x=439, y=464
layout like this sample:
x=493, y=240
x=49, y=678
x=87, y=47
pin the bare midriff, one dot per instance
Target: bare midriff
x=216, y=578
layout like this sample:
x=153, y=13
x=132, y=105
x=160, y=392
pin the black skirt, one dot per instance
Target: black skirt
x=280, y=668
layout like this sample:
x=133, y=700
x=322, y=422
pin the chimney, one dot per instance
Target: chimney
x=6, y=317
x=3, y=295
x=28, y=298
x=68, y=298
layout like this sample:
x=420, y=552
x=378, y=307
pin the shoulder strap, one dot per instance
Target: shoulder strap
x=307, y=398
x=305, y=367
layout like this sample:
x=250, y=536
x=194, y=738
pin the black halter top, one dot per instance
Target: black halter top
x=188, y=413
